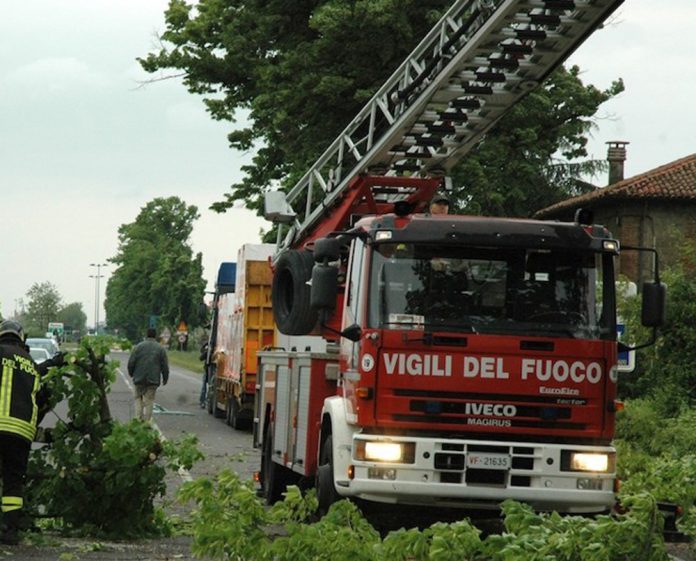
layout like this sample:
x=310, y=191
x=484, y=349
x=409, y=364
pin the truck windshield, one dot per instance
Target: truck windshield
x=550, y=293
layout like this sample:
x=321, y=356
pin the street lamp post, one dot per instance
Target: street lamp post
x=96, y=293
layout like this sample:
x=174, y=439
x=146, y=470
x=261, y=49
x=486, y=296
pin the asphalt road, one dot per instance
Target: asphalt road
x=177, y=412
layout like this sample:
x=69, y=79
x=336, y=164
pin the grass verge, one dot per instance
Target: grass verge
x=186, y=359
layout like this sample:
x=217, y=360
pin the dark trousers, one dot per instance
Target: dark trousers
x=14, y=457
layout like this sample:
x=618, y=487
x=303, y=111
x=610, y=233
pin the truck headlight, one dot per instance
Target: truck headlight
x=384, y=451
x=584, y=461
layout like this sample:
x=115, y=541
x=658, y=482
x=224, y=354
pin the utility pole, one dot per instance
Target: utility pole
x=96, y=293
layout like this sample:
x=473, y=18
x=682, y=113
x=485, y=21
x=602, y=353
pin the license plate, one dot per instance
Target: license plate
x=488, y=461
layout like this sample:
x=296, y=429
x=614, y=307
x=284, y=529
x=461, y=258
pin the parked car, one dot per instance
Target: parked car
x=39, y=354
x=45, y=343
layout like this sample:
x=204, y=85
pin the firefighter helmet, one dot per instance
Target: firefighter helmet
x=10, y=327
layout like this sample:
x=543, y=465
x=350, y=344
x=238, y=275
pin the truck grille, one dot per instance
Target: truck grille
x=461, y=409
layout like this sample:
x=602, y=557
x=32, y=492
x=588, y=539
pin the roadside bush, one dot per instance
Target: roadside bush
x=665, y=370
x=100, y=476
x=231, y=523
x=658, y=454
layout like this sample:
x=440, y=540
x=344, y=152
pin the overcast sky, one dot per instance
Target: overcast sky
x=83, y=149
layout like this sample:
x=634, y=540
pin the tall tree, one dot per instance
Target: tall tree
x=302, y=69
x=73, y=317
x=157, y=273
x=44, y=301
x=526, y=163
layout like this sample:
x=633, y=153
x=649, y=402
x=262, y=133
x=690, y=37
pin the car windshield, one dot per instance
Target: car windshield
x=39, y=354
x=556, y=293
x=49, y=344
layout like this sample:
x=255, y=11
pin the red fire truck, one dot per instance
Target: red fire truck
x=435, y=359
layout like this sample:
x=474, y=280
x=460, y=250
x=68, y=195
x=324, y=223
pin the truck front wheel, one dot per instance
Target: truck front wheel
x=326, y=489
x=273, y=476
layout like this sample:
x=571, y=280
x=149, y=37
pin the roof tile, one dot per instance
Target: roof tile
x=675, y=181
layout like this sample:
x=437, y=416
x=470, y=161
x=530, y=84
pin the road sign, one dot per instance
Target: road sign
x=627, y=359
x=56, y=328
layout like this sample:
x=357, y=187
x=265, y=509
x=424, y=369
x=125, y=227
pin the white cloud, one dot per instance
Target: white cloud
x=55, y=76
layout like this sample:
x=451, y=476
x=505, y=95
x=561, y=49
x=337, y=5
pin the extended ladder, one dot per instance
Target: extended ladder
x=479, y=60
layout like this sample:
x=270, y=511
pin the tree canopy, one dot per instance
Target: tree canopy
x=294, y=73
x=73, y=317
x=44, y=303
x=157, y=273
x=534, y=156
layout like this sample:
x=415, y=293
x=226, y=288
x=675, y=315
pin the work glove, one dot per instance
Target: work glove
x=44, y=435
x=59, y=359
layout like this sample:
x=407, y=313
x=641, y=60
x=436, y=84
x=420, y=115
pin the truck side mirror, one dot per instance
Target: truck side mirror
x=653, y=306
x=276, y=208
x=324, y=287
x=352, y=333
x=327, y=250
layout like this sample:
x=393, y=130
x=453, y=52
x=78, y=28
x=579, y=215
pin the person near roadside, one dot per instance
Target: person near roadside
x=23, y=403
x=439, y=204
x=149, y=367
x=204, y=388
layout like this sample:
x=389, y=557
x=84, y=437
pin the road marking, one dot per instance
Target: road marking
x=157, y=408
x=183, y=472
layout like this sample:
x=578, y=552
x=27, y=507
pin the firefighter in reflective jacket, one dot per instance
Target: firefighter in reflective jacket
x=21, y=401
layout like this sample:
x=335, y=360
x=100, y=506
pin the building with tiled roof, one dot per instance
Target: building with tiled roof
x=653, y=209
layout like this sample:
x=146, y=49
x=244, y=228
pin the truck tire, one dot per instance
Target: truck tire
x=273, y=476
x=232, y=413
x=326, y=489
x=290, y=293
x=327, y=249
x=217, y=412
x=210, y=392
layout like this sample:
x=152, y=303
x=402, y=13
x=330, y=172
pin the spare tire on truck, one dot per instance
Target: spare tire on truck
x=290, y=293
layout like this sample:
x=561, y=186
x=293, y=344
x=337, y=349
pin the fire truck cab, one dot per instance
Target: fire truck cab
x=476, y=362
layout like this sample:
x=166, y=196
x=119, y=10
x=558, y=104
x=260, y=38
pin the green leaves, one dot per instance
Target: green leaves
x=43, y=306
x=100, y=476
x=524, y=163
x=657, y=453
x=231, y=523
x=302, y=70
x=157, y=272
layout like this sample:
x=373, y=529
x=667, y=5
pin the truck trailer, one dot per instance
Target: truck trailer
x=242, y=324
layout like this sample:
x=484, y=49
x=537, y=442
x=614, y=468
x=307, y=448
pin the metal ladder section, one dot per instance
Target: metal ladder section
x=474, y=65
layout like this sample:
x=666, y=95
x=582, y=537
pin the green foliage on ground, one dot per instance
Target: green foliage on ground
x=303, y=70
x=100, y=476
x=231, y=523
x=157, y=273
x=658, y=453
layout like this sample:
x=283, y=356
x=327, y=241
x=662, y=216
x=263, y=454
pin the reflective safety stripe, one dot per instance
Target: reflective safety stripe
x=34, y=407
x=6, y=390
x=12, y=503
x=16, y=426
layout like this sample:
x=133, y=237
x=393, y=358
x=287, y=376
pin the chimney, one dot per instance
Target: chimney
x=616, y=156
